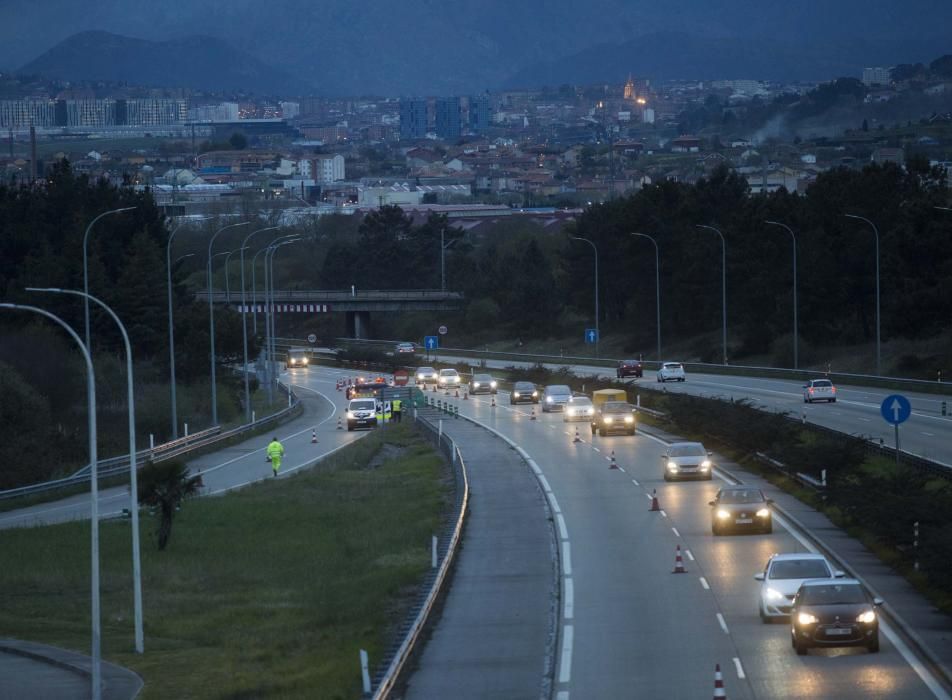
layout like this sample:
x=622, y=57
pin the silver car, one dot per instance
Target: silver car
x=687, y=460
x=782, y=578
x=555, y=397
x=426, y=375
x=819, y=390
x=578, y=408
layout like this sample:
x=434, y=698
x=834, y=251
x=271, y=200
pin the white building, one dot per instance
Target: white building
x=384, y=196
x=223, y=112
x=289, y=110
x=877, y=76
x=22, y=114
x=324, y=169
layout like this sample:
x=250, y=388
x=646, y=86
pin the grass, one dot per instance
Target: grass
x=269, y=591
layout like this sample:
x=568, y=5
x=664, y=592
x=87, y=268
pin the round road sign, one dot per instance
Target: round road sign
x=442, y=330
x=312, y=339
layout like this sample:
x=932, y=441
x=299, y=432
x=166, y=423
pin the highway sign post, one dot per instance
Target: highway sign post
x=312, y=339
x=430, y=342
x=442, y=330
x=591, y=336
x=896, y=410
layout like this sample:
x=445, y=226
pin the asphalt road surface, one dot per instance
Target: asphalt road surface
x=631, y=627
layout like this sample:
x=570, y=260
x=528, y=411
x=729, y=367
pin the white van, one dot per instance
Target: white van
x=671, y=372
x=362, y=413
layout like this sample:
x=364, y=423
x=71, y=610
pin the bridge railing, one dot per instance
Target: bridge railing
x=331, y=295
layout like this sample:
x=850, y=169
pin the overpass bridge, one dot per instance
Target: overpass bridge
x=358, y=304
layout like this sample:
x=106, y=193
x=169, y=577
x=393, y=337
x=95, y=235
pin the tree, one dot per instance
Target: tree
x=865, y=125
x=238, y=141
x=166, y=485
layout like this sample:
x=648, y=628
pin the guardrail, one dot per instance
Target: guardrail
x=342, y=295
x=386, y=682
x=115, y=466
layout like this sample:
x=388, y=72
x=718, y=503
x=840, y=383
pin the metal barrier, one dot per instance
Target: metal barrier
x=119, y=465
x=397, y=658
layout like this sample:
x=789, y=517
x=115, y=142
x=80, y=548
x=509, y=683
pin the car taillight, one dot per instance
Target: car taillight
x=833, y=389
x=811, y=389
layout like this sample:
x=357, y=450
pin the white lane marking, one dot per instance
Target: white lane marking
x=723, y=623
x=289, y=470
x=565, y=662
x=664, y=515
x=704, y=584
x=566, y=559
x=648, y=496
x=675, y=531
x=545, y=484
x=635, y=482
x=740, y=669
x=563, y=531
x=923, y=432
x=866, y=420
x=596, y=449
x=562, y=695
x=622, y=468
x=656, y=439
x=690, y=556
x=569, y=607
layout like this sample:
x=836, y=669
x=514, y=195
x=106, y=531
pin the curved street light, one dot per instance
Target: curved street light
x=598, y=335
x=270, y=324
x=723, y=285
x=657, y=286
x=244, y=318
x=96, y=675
x=878, y=336
x=796, y=326
x=211, y=316
x=89, y=229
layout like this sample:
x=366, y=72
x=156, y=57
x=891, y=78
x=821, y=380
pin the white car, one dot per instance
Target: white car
x=426, y=375
x=819, y=390
x=449, y=377
x=578, y=408
x=670, y=372
x=781, y=579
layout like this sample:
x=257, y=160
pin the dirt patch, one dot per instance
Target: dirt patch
x=386, y=452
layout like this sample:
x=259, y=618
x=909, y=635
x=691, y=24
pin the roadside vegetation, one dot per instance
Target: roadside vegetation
x=269, y=591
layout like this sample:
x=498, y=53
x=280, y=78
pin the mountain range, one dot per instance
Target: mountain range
x=339, y=47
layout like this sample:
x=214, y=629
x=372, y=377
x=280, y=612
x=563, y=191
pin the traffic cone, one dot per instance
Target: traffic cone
x=577, y=438
x=493, y=404
x=612, y=464
x=719, y=691
x=466, y=395
x=340, y=425
x=456, y=395
x=678, y=562
x=654, y=500
x=532, y=414
x=314, y=437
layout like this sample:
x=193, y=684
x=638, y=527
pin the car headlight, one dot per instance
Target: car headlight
x=475, y=385
x=548, y=399
x=442, y=380
x=806, y=618
x=773, y=594
x=723, y=514
x=609, y=419
x=350, y=414
x=492, y=385
x=590, y=411
x=420, y=377
x=673, y=466
x=571, y=411
x=763, y=513
x=867, y=617
x=535, y=394
x=516, y=394
x=706, y=464
x=629, y=419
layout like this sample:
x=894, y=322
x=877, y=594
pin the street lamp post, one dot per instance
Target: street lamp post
x=657, y=286
x=878, y=335
x=182, y=257
x=244, y=318
x=211, y=317
x=270, y=321
x=796, y=326
x=168, y=269
x=723, y=285
x=96, y=675
x=598, y=335
x=133, y=477
x=89, y=229
x=254, y=290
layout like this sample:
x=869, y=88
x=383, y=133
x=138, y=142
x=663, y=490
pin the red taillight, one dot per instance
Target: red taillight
x=811, y=389
x=833, y=389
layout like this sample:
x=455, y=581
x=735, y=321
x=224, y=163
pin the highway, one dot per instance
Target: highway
x=927, y=433
x=632, y=628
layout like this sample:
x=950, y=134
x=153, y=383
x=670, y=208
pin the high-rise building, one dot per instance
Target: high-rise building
x=877, y=76
x=480, y=114
x=412, y=118
x=448, y=118
x=22, y=114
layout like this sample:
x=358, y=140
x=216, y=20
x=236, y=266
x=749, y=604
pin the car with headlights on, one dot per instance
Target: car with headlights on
x=426, y=375
x=362, y=413
x=836, y=613
x=578, y=408
x=483, y=384
x=819, y=390
x=629, y=368
x=687, y=460
x=781, y=579
x=449, y=378
x=739, y=509
x=555, y=396
x=523, y=392
x=404, y=349
x=670, y=372
x=614, y=417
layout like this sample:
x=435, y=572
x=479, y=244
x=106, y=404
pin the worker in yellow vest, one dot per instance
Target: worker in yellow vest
x=275, y=453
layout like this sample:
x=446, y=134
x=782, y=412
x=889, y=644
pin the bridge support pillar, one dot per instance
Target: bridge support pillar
x=358, y=324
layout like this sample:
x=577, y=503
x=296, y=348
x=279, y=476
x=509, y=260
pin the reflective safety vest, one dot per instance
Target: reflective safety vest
x=397, y=405
x=275, y=449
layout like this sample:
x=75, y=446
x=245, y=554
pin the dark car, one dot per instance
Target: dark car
x=482, y=384
x=629, y=368
x=614, y=417
x=524, y=392
x=837, y=613
x=739, y=508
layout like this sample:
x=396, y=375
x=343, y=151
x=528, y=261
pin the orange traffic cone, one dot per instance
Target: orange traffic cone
x=612, y=464
x=314, y=437
x=719, y=691
x=654, y=500
x=532, y=415
x=678, y=562
x=340, y=426
x=577, y=438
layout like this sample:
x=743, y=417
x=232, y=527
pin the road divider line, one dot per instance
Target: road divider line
x=566, y=559
x=562, y=695
x=723, y=623
x=740, y=669
x=560, y=521
x=664, y=515
x=704, y=584
x=596, y=449
x=675, y=531
x=565, y=662
x=569, y=603
x=635, y=482
x=690, y=556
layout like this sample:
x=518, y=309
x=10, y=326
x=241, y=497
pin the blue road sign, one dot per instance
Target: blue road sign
x=591, y=335
x=896, y=409
x=431, y=342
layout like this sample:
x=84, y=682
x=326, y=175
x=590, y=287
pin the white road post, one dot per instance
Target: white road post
x=433, y=556
x=364, y=671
